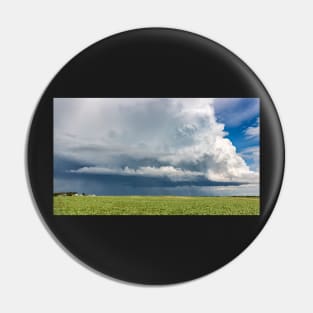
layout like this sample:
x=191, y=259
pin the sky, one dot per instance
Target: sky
x=157, y=146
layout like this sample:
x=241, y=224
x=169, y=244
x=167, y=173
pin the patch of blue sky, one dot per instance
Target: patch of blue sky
x=239, y=116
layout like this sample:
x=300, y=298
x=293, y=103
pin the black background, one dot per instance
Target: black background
x=155, y=63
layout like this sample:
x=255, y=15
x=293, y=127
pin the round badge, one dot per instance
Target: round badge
x=155, y=156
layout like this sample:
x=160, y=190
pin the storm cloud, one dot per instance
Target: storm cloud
x=146, y=146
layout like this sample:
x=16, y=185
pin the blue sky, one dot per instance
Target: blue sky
x=156, y=146
x=241, y=119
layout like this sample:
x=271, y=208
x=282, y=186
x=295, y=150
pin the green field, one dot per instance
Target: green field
x=155, y=205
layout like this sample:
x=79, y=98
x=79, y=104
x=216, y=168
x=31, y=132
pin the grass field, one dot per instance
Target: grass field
x=155, y=205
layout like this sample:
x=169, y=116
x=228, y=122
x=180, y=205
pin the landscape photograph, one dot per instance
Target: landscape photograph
x=156, y=156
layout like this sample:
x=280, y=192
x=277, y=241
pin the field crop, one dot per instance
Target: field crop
x=155, y=205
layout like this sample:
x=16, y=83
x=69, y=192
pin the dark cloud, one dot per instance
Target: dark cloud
x=119, y=184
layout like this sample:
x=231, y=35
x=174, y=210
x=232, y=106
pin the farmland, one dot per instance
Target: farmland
x=155, y=205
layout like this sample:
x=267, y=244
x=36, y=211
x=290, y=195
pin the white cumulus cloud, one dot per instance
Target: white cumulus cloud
x=175, y=174
x=253, y=131
x=164, y=137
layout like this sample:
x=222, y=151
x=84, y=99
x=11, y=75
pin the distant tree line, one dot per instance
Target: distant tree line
x=69, y=193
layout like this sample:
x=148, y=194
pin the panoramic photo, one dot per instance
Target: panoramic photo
x=156, y=156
